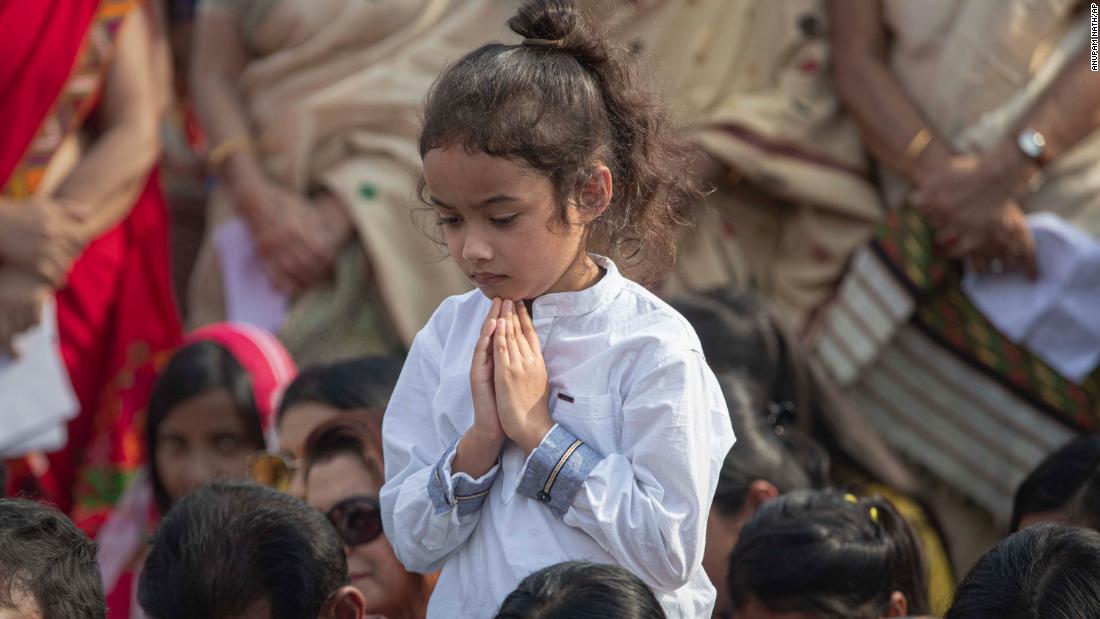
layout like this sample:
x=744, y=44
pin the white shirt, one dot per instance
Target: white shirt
x=637, y=392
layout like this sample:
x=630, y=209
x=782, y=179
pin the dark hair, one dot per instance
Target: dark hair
x=364, y=382
x=360, y=436
x=737, y=332
x=43, y=554
x=195, y=369
x=1086, y=506
x=740, y=334
x=1048, y=570
x=231, y=544
x=577, y=589
x=1054, y=483
x=562, y=107
x=781, y=455
x=834, y=555
x=181, y=11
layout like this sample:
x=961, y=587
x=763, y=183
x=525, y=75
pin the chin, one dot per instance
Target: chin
x=504, y=290
x=378, y=600
x=370, y=590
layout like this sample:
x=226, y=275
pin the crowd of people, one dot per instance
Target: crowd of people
x=550, y=309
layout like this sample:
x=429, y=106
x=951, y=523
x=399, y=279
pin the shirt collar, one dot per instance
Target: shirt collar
x=583, y=301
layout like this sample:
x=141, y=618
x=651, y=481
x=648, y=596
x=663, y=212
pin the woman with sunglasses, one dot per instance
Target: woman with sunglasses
x=343, y=474
x=212, y=407
x=319, y=394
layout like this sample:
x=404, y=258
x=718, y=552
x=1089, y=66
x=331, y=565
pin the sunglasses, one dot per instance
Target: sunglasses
x=274, y=470
x=358, y=519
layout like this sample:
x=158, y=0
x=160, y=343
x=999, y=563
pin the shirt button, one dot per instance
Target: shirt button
x=543, y=497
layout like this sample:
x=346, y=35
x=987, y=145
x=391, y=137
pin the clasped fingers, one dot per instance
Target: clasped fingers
x=516, y=344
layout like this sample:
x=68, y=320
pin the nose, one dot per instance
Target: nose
x=475, y=245
x=197, y=471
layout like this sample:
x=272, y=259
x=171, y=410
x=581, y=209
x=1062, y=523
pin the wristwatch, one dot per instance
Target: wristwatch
x=1034, y=146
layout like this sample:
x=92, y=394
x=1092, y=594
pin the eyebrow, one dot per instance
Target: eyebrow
x=497, y=199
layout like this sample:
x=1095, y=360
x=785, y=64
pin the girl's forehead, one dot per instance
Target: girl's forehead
x=473, y=178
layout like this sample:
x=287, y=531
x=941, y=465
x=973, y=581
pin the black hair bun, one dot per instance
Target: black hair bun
x=550, y=20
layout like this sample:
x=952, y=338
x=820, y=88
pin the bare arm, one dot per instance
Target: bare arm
x=1069, y=109
x=97, y=193
x=887, y=118
x=298, y=240
x=102, y=187
x=219, y=59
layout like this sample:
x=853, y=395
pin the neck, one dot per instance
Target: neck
x=582, y=273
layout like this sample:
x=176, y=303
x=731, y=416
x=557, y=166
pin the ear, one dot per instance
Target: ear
x=760, y=491
x=899, y=606
x=595, y=195
x=346, y=603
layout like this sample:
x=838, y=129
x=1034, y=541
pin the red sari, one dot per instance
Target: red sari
x=116, y=315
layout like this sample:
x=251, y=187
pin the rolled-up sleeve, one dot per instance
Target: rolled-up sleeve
x=556, y=470
x=449, y=491
x=648, y=505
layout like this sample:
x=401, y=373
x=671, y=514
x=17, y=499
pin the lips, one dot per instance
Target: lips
x=484, y=279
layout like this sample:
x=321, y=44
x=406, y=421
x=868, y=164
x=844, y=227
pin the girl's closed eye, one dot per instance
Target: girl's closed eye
x=504, y=221
x=448, y=220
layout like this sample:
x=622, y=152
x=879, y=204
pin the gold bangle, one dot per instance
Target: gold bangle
x=222, y=152
x=917, y=145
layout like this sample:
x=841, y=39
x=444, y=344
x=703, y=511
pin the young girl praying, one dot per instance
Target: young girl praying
x=560, y=411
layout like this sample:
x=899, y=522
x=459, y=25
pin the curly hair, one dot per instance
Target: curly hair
x=562, y=106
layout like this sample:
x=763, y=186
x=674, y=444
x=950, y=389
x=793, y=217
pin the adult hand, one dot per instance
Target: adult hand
x=335, y=221
x=1009, y=246
x=298, y=241
x=519, y=374
x=964, y=201
x=41, y=236
x=21, y=297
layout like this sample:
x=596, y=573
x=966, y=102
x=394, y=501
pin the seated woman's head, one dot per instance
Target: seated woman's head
x=322, y=393
x=212, y=407
x=578, y=589
x=769, y=459
x=1055, y=490
x=343, y=473
x=827, y=555
x=1046, y=570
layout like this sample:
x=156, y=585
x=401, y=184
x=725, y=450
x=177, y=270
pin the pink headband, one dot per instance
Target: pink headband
x=267, y=363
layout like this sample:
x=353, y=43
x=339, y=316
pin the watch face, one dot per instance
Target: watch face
x=1031, y=143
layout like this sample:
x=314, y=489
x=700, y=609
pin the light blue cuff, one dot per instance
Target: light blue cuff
x=556, y=470
x=448, y=490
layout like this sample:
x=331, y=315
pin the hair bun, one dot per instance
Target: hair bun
x=550, y=20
